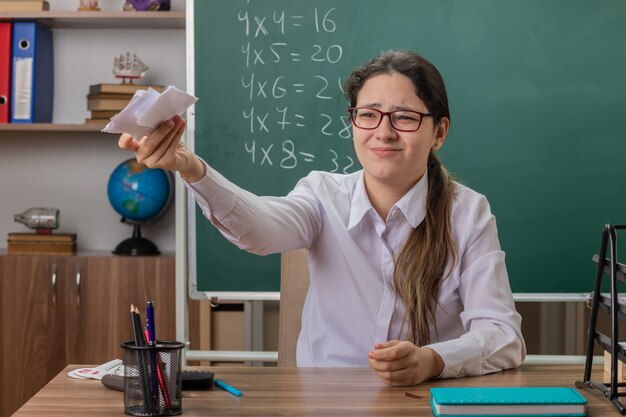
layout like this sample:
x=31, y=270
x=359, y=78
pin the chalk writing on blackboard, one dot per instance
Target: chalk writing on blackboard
x=273, y=127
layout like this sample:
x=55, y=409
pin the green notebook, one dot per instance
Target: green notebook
x=507, y=401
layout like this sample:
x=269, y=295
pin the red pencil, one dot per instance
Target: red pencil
x=166, y=397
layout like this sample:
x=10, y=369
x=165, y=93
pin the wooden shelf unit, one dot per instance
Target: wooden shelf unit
x=50, y=127
x=89, y=20
x=103, y=20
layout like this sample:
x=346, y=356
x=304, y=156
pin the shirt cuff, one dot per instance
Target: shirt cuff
x=461, y=356
x=214, y=187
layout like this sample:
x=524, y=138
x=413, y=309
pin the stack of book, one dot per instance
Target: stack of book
x=507, y=401
x=23, y=5
x=106, y=100
x=42, y=244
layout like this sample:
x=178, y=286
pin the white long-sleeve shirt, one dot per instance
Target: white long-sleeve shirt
x=351, y=303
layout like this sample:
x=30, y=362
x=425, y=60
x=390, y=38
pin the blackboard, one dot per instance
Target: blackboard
x=537, y=91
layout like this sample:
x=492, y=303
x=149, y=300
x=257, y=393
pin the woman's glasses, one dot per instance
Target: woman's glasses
x=401, y=120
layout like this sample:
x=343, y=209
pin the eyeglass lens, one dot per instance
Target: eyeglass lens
x=400, y=119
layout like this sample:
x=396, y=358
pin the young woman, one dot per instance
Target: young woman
x=406, y=271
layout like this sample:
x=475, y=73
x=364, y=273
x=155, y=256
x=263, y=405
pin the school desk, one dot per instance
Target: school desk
x=319, y=392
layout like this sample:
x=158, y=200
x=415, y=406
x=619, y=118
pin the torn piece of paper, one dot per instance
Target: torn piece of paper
x=148, y=109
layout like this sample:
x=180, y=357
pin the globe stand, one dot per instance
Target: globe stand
x=136, y=245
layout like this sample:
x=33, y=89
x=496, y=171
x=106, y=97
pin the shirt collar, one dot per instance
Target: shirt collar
x=412, y=204
x=360, y=203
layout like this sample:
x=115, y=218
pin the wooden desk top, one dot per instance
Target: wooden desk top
x=269, y=391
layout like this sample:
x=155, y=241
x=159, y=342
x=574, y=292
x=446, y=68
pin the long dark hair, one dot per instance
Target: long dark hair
x=422, y=264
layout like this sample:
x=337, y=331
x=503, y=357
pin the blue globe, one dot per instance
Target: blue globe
x=139, y=194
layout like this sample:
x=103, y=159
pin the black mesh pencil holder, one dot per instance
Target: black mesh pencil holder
x=152, y=379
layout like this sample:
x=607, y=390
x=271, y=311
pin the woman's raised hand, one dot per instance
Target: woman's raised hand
x=163, y=148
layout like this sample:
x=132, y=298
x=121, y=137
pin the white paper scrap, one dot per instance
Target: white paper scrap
x=148, y=109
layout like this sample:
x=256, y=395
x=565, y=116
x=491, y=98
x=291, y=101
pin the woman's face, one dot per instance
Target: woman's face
x=392, y=158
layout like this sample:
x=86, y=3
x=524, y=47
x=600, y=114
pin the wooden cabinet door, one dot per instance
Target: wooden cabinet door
x=74, y=309
x=109, y=285
x=71, y=274
x=33, y=326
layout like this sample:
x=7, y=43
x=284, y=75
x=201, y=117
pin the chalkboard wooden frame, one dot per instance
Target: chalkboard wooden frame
x=536, y=91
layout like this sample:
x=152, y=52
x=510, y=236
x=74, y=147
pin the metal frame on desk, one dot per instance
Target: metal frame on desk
x=611, y=344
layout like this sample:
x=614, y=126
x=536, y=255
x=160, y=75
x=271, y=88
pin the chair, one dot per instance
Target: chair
x=294, y=285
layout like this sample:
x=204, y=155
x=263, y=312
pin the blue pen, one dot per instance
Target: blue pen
x=150, y=322
x=226, y=387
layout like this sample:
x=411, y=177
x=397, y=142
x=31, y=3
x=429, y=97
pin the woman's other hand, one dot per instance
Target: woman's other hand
x=403, y=363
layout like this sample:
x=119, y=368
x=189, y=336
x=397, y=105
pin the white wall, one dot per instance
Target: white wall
x=70, y=171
